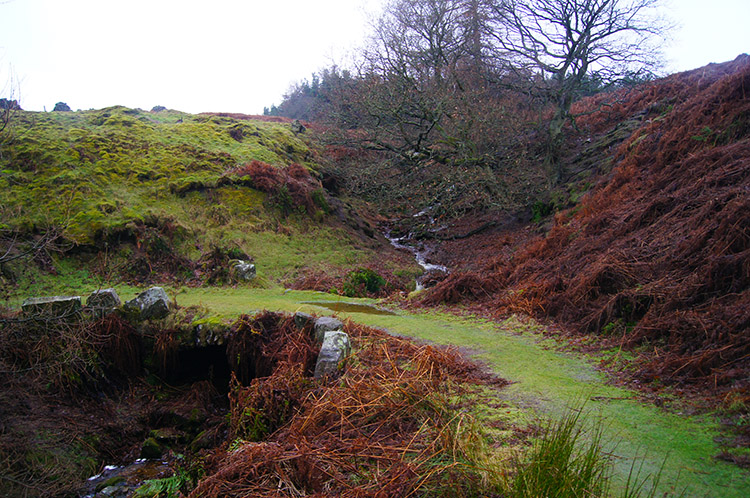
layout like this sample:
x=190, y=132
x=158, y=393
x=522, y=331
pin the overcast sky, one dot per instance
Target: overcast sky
x=237, y=55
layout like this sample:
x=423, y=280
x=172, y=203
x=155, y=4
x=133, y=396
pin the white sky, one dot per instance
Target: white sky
x=237, y=55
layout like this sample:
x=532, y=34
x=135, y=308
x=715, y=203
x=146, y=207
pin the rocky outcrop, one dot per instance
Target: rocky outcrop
x=61, y=107
x=335, y=349
x=52, y=307
x=209, y=332
x=150, y=304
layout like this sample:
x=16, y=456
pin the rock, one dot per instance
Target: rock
x=168, y=436
x=302, y=320
x=109, y=491
x=151, y=449
x=103, y=301
x=297, y=127
x=242, y=270
x=111, y=482
x=325, y=324
x=52, y=307
x=150, y=304
x=211, y=333
x=335, y=349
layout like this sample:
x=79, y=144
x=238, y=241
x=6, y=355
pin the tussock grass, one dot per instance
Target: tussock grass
x=568, y=461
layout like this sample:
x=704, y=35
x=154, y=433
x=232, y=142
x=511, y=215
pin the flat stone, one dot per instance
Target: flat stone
x=52, y=307
x=335, y=349
x=150, y=304
x=325, y=324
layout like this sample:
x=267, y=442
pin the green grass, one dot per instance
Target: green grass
x=561, y=464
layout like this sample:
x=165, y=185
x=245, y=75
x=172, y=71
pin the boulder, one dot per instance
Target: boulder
x=335, y=349
x=103, y=301
x=242, y=270
x=325, y=324
x=52, y=307
x=150, y=304
x=151, y=449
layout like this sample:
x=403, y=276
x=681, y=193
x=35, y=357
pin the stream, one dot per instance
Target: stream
x=121, y=481
x=419, y=249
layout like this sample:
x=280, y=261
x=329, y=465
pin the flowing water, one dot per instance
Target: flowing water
x=117, y=482
x=421, y=251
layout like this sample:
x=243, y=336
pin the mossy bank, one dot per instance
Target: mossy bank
x=130, y=195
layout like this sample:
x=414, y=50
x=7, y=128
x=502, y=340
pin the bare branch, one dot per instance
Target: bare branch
x=565, y=41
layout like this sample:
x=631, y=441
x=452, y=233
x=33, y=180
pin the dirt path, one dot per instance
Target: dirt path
x=546, y=382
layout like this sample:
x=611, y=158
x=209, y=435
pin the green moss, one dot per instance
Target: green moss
x=97, y=174
x=62, y=167
x=112, y=481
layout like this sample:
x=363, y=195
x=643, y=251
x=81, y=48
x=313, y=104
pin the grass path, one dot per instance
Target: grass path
x=545, y=381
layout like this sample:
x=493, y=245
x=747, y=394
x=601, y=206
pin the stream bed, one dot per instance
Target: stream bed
x=410, y=242
x=120, y=481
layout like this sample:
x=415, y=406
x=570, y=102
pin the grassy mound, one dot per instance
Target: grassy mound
x=155, y=196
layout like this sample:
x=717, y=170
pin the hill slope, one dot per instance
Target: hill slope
x=658, y=254
x=167, y=196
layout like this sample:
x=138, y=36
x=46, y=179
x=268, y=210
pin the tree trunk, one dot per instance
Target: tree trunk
x=555, y=139
x=553, y=161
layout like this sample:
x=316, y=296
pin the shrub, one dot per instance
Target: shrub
x=361, y=282
x=540, y=210
x=291, y=188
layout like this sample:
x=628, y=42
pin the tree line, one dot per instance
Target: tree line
x=467, y=81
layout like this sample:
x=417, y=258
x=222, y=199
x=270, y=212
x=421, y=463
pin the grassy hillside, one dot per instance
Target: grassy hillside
x=171, y=196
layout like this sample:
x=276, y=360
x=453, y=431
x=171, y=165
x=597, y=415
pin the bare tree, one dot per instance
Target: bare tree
x=410, y=70
x=562, y=42
x=419, y=74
